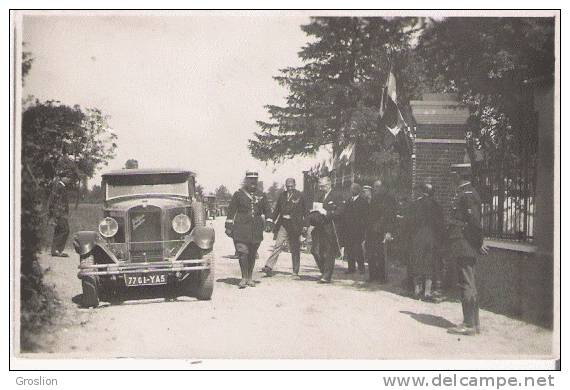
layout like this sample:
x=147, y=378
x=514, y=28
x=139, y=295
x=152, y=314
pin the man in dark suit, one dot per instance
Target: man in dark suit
x=380, y=226
x=325, y=218
x=247, y=208
x=59, y=212
x=288, y=216
x=465, y=244
x=354, y=218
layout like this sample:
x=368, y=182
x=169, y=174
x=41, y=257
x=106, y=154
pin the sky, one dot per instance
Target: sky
x=181, y=90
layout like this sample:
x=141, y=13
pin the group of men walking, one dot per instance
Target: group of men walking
x=363, y=224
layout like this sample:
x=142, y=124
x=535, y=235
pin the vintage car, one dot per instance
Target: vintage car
x=153, y=232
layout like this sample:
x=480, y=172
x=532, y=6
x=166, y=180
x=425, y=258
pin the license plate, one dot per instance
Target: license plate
x=145, y=280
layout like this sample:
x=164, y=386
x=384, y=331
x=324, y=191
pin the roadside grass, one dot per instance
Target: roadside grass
x=86, y=217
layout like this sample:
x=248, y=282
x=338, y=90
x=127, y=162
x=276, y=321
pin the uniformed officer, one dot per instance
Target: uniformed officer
x=325, y=217
x=465, y=244
x=59, y=211
x=248, y=207
x=288, y=216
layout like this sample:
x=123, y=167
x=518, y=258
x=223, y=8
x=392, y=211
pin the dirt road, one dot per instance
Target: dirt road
x=280, y=318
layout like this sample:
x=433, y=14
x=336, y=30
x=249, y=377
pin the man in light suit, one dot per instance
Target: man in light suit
x=288, y=217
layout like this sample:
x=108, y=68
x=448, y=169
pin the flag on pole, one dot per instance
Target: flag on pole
x=390, y=115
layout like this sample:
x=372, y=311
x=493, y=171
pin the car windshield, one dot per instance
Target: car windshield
x=117, y=191
x=147, y=183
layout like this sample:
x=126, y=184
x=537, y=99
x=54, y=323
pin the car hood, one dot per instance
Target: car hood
x=163, y=203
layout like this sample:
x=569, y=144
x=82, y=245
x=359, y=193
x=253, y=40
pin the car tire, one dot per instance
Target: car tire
x=90, y=297
x=204, y=286
x=198, y=214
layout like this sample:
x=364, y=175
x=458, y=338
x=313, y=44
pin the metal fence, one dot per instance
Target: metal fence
x=508, y=195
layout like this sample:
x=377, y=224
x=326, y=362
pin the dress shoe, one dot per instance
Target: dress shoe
x=323, y=281
x=267, y=270
x=462, y=330
x=242, y=284
x=59, y=254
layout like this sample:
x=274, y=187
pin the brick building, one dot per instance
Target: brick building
x=439, y=141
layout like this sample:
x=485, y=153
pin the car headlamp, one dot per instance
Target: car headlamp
x=108, y=227
x=181, y=223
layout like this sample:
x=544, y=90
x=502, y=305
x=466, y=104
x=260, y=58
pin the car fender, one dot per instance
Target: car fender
x=203, y=237
x=85, y=241
x=88, y=242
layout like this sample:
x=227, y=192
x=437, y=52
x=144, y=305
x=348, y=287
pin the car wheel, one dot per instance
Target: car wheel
x=198, y=214
x=204, y=286
x=90, y=297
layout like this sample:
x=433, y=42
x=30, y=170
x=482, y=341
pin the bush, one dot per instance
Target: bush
x=38, y=302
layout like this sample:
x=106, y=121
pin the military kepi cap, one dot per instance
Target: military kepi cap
x=252, y=174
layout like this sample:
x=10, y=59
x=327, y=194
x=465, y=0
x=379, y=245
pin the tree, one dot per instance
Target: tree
x=57, y=141
x=222, y=193
x=487, y=62
x=334, y=97
x=131, y=163
x=199, y=192
x=27, y=60
x=273, y=193
x=64, y=141
x=93, y=195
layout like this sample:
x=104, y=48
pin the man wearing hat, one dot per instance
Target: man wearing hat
x=245, y=223
x=288, y=216
x=325, y=217
x=465, y=244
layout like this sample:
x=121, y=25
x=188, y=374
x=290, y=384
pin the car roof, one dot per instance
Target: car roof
x=154, y=171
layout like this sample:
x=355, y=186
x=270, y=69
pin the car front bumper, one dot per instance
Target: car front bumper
x=87, y=270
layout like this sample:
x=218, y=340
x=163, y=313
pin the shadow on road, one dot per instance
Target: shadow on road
x=429, y=319
x=231, y=281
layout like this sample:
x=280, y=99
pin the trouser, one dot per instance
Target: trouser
x=324, y=252
x=423, y=284
x=294, y=246
x=354, y=254
x=469, y=299
x=247, y=252
x=376, y=260
x=60, y=234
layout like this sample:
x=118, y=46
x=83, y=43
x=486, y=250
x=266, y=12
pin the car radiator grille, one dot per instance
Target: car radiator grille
x=145, y=234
